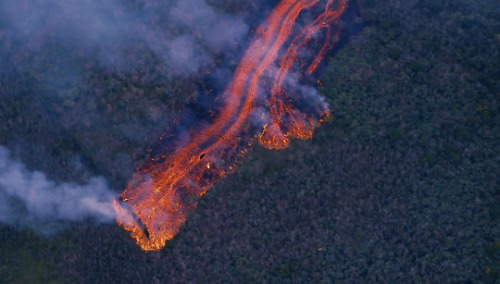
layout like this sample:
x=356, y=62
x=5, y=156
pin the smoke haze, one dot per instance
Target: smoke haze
x=53, y=42
x=186, y=34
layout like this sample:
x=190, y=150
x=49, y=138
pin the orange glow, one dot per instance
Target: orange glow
x=154, y=205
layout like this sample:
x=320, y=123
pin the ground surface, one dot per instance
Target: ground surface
x=401, y=186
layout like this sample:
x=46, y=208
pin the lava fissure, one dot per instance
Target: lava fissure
x=259, y=104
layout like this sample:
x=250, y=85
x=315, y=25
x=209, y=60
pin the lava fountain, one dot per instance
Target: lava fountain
x=264, y=103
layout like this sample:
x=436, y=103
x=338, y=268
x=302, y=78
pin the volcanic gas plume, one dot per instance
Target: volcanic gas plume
x=266, y=101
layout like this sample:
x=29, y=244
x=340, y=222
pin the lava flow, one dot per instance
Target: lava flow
x=264, y=102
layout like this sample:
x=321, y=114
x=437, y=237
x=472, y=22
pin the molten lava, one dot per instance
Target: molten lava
x=264, y=102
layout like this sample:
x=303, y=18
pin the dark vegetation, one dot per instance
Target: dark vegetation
x=401, y=186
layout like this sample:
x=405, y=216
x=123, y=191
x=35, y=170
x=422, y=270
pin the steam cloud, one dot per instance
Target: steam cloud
x=30, y=199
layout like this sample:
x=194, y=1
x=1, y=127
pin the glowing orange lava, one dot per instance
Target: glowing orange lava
x=264, y=92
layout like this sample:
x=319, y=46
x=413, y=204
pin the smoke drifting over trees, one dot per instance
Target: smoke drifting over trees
x=30, y=199
x=52, y=46
x=185, y=34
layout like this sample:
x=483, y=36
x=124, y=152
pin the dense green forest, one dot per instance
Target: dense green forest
x=401, y=185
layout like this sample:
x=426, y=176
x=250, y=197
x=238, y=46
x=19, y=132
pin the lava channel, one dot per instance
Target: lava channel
x=265, y=102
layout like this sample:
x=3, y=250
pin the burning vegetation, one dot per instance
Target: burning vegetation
x=265, y=102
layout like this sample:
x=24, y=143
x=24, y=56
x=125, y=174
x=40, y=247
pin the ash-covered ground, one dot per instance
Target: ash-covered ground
x=400, y=186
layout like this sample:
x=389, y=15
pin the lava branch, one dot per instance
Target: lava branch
x=154, y=205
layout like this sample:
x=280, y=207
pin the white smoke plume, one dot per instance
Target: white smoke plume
x=30, y=199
